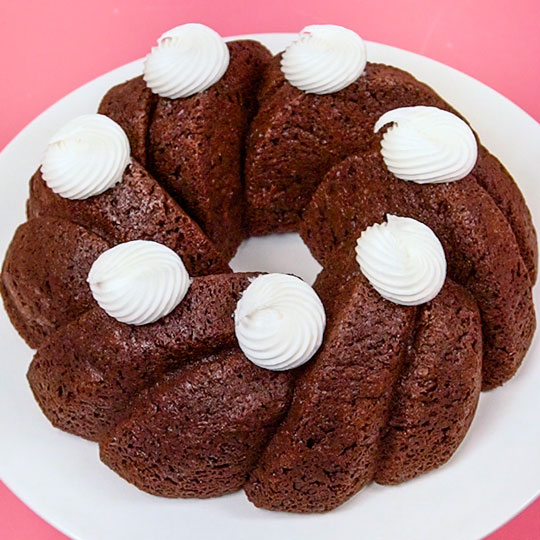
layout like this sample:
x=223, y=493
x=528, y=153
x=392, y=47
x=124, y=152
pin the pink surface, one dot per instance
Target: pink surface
x=51, y=48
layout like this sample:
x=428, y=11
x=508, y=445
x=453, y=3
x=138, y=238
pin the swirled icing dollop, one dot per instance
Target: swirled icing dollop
x=325, y=59
x=138, y=282
x=279, y=322
x=86, y=157
x=427, y=145
x=403, y=260
x=187, y=59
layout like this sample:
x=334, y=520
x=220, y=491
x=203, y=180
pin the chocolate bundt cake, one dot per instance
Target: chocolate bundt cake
x=196, y=381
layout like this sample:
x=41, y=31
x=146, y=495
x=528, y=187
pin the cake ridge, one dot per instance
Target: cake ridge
x=450, y=210
x=127, y=358
x=293, y=448
x=136, y=208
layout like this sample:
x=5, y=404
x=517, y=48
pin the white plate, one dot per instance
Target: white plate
x=494, y=474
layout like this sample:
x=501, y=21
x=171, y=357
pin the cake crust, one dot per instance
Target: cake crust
x=137, y=208
x=437, y=393
x=390, y=396
x=297, y=137
x=83, y=383
x=43, y=281
x=326, y=448
x=200, y=430
x=131, y=105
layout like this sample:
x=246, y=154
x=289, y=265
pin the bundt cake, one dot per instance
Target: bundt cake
x=196, y=381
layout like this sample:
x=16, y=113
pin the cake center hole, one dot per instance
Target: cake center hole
x=285, y=253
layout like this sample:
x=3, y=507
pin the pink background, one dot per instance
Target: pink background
x=51, y=48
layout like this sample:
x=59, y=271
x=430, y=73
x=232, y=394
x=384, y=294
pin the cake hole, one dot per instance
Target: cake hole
x=285, y=253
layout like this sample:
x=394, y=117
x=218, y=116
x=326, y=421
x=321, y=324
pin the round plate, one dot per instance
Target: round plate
x=495, y=472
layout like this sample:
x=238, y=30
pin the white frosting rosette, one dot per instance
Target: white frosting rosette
x=403, y=260
x=186, y=60
x=279, y=322
x=138, y=282
x=427, y=145
x=325, y=59
x=86, y=157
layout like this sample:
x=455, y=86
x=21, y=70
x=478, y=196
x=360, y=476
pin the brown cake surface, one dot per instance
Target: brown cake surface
x=297, y=136
x=131, y=105
x=177, y=408
x=83, y=397
x=495, y=179
x=137, y=208
x=480, y=246
x=44, y=274
x=382, y=369
x=438, y=389
x=199, y=431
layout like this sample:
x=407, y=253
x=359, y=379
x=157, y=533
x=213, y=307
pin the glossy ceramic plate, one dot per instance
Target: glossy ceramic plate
x=494, y=474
